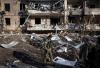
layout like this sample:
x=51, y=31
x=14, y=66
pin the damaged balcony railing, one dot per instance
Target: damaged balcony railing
x=74, y=11
x=46, y=27
x=42, y=12
x=70, y=26
x=88, y=11
x=95, y=11
x=73, y=26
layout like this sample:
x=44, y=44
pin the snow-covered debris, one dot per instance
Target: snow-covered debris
x=33, y=35
x=16, y=61
x=61, y=42
x=62, y=49
x=11, y=44
x=68, y=39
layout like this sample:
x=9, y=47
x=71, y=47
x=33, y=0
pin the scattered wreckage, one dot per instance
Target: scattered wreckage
x=52, y=49
x=63, y=50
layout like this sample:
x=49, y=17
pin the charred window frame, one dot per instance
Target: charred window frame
x=55, y=21
x=37, y=20
x=92, y=6
x=36, y=6
x=7, y=7
x=22, y=21
x=7, y=21
x=22, y=6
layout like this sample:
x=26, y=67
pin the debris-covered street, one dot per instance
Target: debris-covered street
x=48, y=51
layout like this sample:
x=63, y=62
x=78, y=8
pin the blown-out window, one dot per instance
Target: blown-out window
x=7, y=20
x=7, y=7
x=22, y=21
x=37, y=20
x=22, y=6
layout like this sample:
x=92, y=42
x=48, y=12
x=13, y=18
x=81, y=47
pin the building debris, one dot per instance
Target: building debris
x=68, y=39
x=62, y=49
x=11, y=44
x=55, y=37
x=61, y=61
x=63, y=53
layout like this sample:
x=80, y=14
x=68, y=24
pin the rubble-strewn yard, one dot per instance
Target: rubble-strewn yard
x=21, y=51
x=22, y=54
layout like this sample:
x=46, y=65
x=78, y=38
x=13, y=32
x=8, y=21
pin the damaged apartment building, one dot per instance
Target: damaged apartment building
x=48, y=15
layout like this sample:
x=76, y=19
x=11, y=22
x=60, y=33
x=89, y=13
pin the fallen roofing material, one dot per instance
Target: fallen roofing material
x=11, y=44
x=61, y=61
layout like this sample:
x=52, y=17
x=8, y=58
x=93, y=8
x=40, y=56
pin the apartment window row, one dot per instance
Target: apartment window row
x=8, y=21
x=7, y=7
x=53, y=21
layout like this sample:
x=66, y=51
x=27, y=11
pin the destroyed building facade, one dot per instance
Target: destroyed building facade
x=10, y=18
x=46, y=15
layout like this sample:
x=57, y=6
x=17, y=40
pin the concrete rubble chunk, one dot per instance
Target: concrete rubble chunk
x=61, y=42
x=23, y=39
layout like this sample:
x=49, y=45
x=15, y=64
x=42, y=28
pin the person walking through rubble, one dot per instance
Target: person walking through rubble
x=47, y=47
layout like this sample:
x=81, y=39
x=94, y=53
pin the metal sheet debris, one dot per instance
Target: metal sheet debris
x=65, y=62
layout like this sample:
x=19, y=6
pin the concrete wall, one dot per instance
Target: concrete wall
x=45, y=24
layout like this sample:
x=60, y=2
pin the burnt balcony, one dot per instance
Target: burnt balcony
x=95, y=11
x=88, y=27
x=40, y=13
x=88, y=11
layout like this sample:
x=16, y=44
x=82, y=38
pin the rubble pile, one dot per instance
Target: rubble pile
x=30, y=51
x=16, y=50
